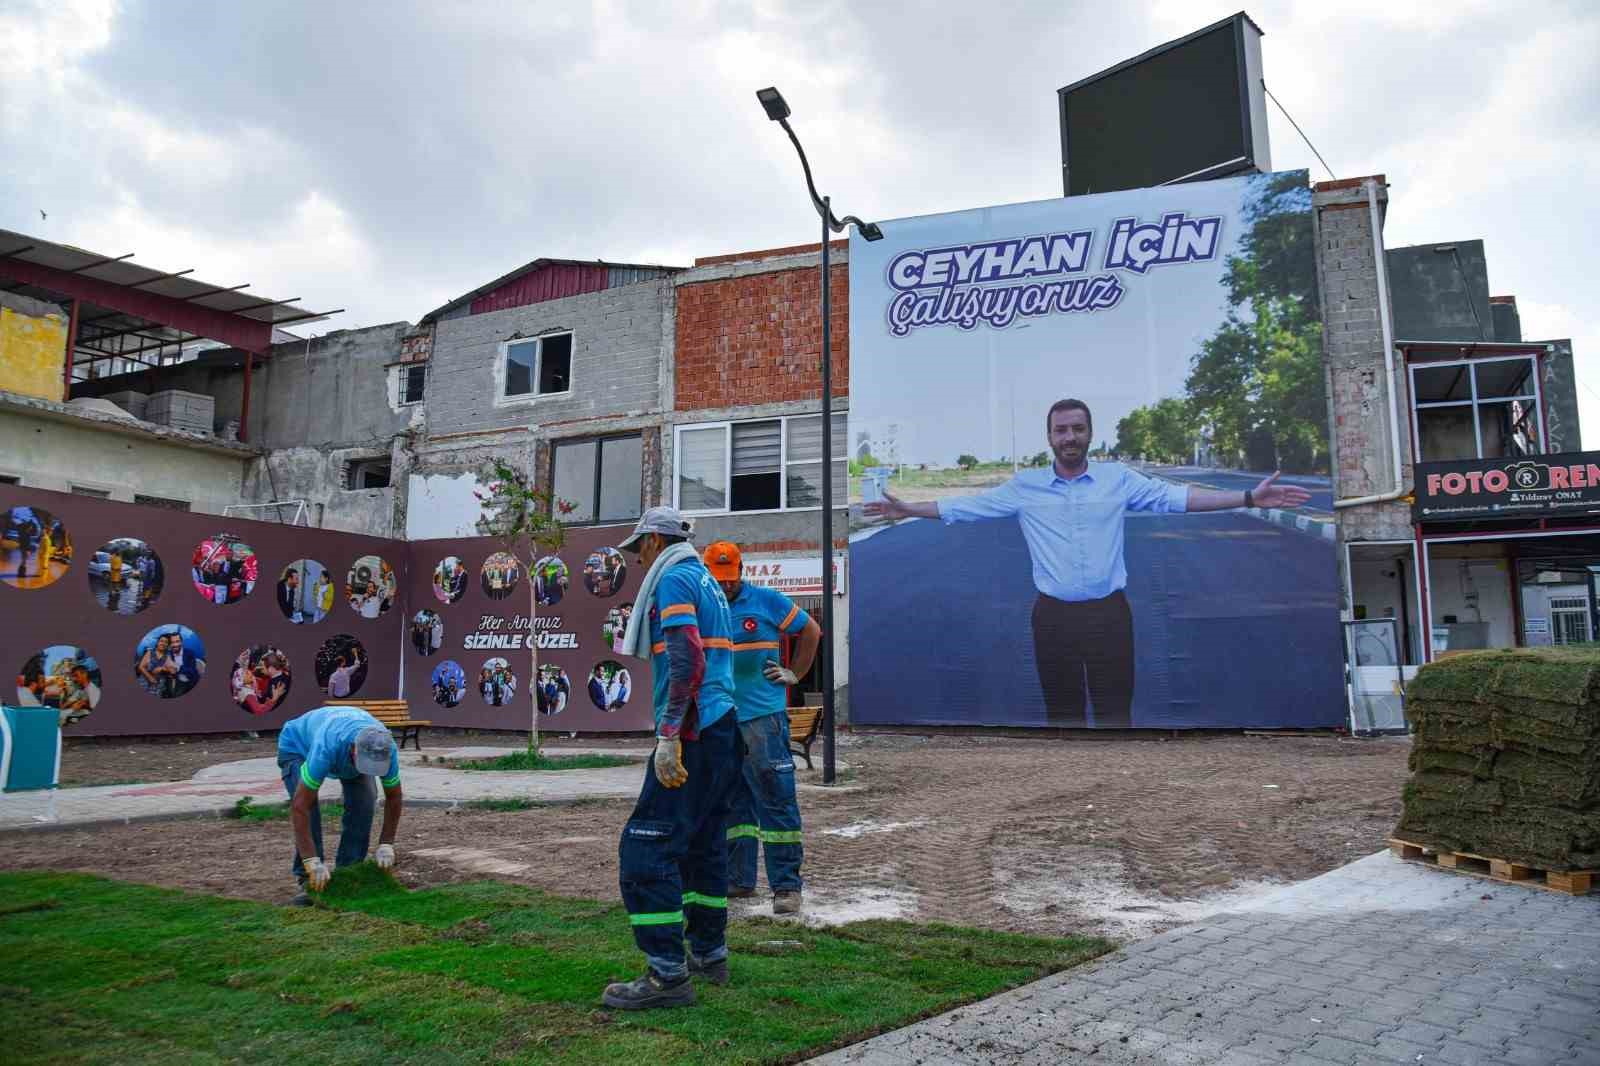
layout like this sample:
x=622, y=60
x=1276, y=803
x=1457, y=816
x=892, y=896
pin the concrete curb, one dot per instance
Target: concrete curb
x=1325, y=528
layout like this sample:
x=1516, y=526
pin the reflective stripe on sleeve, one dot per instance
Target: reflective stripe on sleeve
x=390, y=782
x=306, y=779
x=657, y=649
x=793, y=614
x=677, y=609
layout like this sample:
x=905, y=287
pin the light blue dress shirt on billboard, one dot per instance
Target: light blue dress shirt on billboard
x=1073, y=526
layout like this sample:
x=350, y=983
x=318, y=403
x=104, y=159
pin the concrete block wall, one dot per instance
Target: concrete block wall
x=190, y=411
x=1352, y=337
x=616, y=360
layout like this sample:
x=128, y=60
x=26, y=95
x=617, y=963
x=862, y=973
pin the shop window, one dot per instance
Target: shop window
x=10, y=479
x=1482, y=409
x=766, y=465
x=599, y=479
x=539, y=366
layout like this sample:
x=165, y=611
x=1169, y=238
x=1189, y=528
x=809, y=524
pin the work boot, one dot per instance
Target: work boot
x=648, y=991
x=786, y=902
x=302, y=898
x=715, y=972
x=741, y=891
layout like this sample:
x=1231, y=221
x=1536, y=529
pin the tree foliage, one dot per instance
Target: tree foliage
x=1257, y=381
x=966, y=461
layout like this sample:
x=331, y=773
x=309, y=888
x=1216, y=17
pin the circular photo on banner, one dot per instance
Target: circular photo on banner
x=341, y=666
x=497, y=684
x=169, y=661
x=450, y=579
x=610, y=685
x=305, y=592
x=449, y=683
x=553, y=689
x=427, y=632
x=550, y=580
x=62, y=676
x=615, y=625
x=501, y=572
x=260, y=678
x=604, y=572
x=224, y=569
x=35, y=549
x=125, y=575
x=370, y=586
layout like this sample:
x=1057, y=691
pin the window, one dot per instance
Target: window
x=767, y=465
x=602, y=479
x=84, y=490
x=161, y=501
x=1484, y=409
x=539, y=366
x=10, y=479
x=413, y=381
x=368, y=474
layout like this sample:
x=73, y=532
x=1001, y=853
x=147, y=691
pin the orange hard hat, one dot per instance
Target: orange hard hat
x=724, y=561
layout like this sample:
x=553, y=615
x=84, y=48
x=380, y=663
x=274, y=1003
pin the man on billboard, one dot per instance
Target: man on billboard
x=1071, y=515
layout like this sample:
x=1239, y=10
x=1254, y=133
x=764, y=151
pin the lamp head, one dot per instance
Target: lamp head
x=772, y=100
x=870, y=231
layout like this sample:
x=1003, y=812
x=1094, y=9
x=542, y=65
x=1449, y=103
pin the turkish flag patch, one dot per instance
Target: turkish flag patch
x=749, y=625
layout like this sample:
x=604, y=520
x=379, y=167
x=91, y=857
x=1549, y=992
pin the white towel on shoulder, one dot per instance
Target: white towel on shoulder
x=636, y=641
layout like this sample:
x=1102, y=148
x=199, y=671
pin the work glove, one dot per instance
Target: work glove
x=317, y=874
x=668, y=762
x=779, y=675
x=385, y=856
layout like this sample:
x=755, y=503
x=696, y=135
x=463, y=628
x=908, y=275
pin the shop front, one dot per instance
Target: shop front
x=1510, y=552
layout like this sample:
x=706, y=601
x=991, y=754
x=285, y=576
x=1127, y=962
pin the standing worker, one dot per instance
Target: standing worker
x=351, y=745
x=673, y=853
x=765, y=810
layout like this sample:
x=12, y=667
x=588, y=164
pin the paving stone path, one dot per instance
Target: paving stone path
x=1379, y=961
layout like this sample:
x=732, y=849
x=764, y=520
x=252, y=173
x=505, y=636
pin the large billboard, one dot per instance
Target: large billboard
x=1056, y=411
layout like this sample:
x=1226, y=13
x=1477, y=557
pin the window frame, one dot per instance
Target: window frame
x=784, y=462
x=403, y=373
x=502, y=366
x=599, y=441
x=1473, y=402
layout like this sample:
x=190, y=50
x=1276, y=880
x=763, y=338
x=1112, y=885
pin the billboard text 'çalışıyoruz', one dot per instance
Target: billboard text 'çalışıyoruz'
x=1055, y=411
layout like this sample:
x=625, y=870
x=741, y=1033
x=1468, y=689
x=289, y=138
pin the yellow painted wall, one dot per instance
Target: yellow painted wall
x=32, y=351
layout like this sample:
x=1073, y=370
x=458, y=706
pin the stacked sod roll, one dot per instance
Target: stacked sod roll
x=1505, y=761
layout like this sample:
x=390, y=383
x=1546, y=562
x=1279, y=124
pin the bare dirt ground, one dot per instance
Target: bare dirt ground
x=1121, y=837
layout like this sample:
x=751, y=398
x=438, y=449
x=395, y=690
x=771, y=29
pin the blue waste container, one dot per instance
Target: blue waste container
x=30, y=748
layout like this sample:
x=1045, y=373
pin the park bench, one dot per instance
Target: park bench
x=395, y=714
x=804, y=725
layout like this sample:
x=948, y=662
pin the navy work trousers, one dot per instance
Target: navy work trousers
x=674, y=855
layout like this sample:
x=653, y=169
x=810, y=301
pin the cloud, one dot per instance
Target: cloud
x=386, y=157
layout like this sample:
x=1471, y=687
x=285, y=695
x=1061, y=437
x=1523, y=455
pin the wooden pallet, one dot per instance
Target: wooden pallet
x=1567, y=882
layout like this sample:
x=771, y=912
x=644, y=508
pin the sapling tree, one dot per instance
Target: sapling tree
x=524, y=518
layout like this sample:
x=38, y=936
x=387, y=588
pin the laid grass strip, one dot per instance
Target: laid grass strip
x=101, y=971
x=529, y=760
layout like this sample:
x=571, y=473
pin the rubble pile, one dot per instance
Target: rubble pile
x=1505, y=761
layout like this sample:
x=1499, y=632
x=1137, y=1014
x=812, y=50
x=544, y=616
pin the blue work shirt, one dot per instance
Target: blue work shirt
x=687, y=595
x=1073, y=526
x=761, y=616
x=323, y=738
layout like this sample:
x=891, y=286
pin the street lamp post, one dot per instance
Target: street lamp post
x=778, y=111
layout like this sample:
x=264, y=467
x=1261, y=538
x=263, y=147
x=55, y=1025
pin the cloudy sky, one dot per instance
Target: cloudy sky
x=387, y=157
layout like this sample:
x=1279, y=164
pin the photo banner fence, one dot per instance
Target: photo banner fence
x=136, y=620
x=1005, y=575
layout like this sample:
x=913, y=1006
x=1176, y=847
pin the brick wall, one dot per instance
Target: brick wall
x=758, y=336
